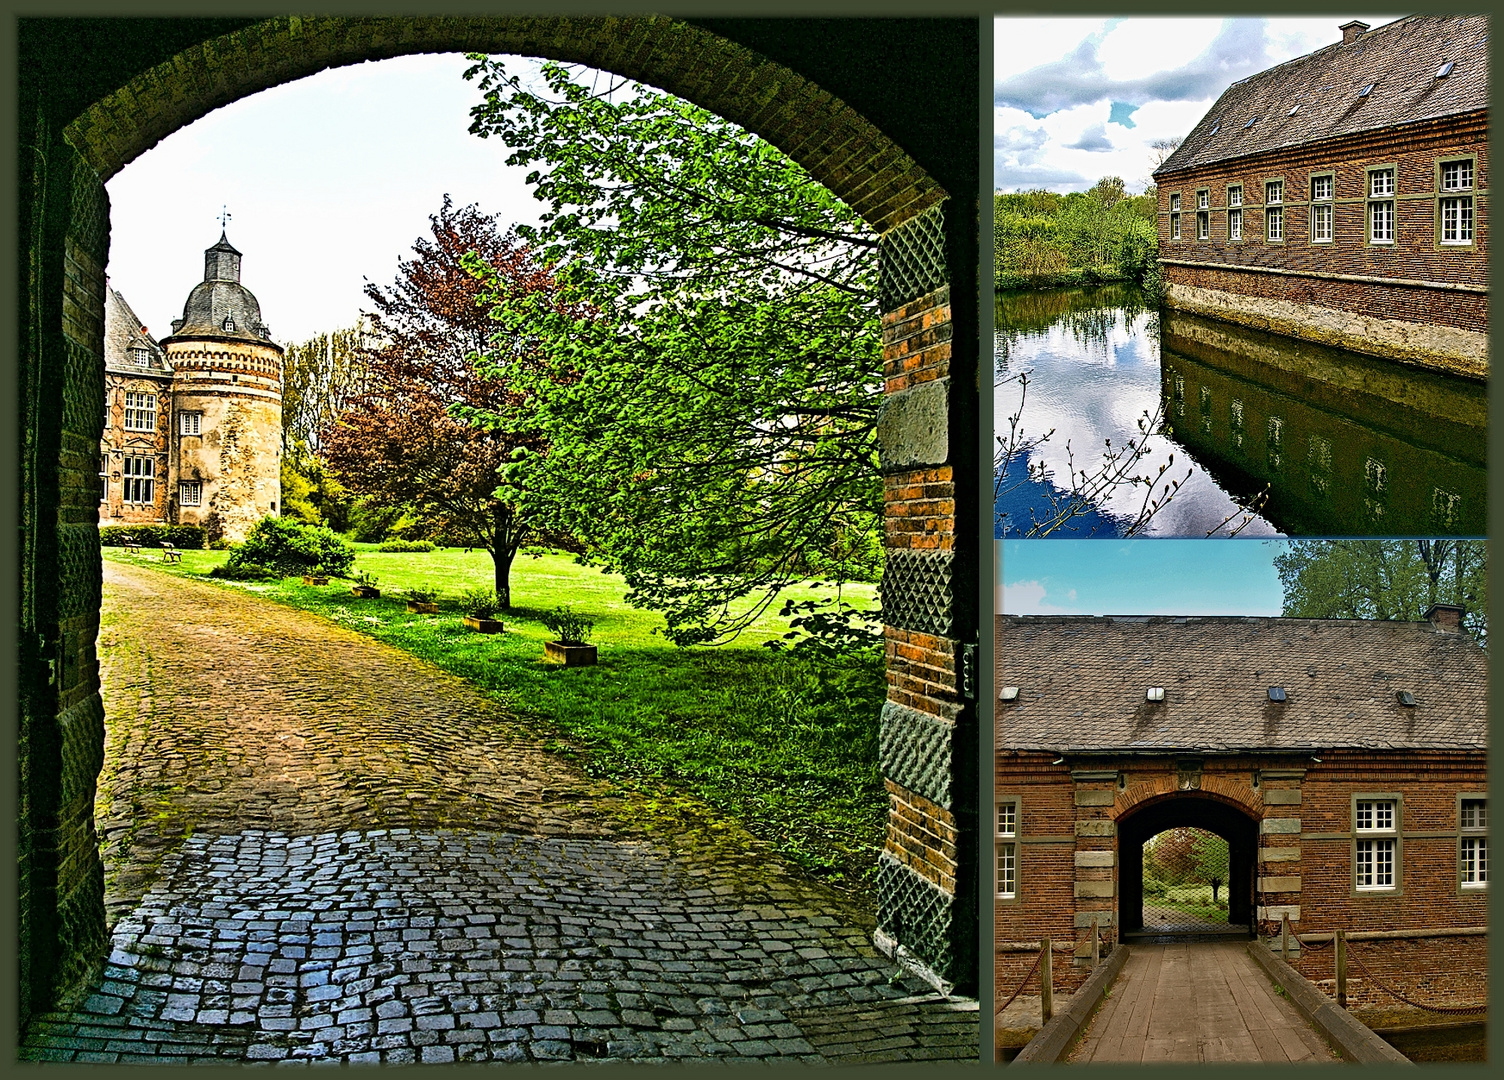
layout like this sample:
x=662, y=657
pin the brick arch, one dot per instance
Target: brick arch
x=927, y=915
x=854, y=159
x=1237, y=793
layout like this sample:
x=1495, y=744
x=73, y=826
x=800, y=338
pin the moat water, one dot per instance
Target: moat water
x=1256, y=434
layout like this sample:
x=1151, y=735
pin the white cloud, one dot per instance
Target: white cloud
x=1021, y=44
x=1136, y=48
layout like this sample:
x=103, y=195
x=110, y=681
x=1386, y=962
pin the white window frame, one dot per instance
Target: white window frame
x=104, y=487
x=190, y=423
x=138, y=477
x=1235, y=195
x=1235, y=224
x=1380, y=210
x=190, y=493
x=1005, y=824
x=1472, y=843
x=1203, y=225
x=1455, y=213
x=1376, y=843
x=140, y=411
x=1175, y=215
x=1323, y=215
x=1274, y=211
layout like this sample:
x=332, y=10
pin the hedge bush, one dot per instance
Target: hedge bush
x=179, y=536
x=289, y=547
x=406, y=545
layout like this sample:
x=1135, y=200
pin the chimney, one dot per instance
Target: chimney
x=1446, y=618
x=1351, y=31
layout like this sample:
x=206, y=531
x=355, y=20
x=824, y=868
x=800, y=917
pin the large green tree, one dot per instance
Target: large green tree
x=1385, y=579
x=709, y=392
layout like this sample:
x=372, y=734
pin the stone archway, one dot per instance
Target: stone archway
x=1194, y=810
x=96, y=94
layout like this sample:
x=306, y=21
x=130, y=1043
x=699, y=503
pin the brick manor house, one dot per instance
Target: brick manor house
x=193, y=422
x=1343, y=762
x=1342, y=197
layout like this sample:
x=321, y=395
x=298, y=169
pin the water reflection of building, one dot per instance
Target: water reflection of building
x=1342, y=197
x=1345, y=445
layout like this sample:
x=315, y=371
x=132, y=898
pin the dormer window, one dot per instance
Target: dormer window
x=229, y=324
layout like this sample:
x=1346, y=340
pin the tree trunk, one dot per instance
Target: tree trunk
x=503, y=550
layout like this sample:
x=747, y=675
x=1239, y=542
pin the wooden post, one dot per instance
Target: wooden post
x=1341, y=947
x=1046, y=982
x=1096, y=947
x=1284, y=936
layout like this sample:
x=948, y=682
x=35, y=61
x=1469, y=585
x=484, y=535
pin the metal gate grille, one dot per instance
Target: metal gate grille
x=1185, y=881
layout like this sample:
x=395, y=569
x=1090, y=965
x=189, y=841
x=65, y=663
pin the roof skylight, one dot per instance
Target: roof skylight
x=1367, y=90
x=1446, y=69
x=1292, y=109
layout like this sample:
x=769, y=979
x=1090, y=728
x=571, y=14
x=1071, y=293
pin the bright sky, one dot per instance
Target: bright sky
x=1138, y=577
x=328, y=180
x=1075, y=100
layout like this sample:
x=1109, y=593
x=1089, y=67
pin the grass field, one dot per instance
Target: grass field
x=785, y=745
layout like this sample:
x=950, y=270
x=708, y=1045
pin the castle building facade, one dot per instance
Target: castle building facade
x=1342, y=197
x=193, y=422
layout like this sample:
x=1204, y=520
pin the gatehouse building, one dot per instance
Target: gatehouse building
x=1315, y=774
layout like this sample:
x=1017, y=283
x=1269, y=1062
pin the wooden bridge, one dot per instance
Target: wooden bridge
x=1198, y=1002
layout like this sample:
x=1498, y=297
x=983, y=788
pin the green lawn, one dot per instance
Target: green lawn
x=785, y=745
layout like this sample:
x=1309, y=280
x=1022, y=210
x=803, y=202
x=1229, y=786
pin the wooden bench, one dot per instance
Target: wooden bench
x=171, y=554
x=131, y=545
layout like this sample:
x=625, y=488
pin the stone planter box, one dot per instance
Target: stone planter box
x=422, y=609
x=556, y=652
x=365, y=592
x=315, y=579
x=485, y=626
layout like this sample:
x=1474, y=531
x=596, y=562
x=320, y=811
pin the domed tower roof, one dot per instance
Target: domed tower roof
x=220, y=306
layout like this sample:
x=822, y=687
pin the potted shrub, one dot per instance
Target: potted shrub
x=315, y=579
x=423, y=600
x=570, y=629
x=480, y=607
x=365, y=586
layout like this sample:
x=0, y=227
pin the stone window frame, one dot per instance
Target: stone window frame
x=1471, y=833
x=1001, y=839
x=1175, y=202
x=190, y=419
x=1328, y=202
x=1235, y=214
x=145, y=406
x=197, y=488
x=133, y=481
x=1469, y=194
x=1396, y=835
x=1370, y=201
x=1274, y=210
x=104, y=486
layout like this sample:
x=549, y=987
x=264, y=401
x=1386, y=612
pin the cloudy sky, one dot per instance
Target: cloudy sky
x=1139, y=577
x=328, y=180
x=1078, y=99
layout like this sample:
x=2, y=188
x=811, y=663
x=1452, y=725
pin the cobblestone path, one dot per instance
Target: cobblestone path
x=321, y=849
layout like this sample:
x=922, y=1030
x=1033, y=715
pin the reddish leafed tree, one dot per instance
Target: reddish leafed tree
x=403, y=441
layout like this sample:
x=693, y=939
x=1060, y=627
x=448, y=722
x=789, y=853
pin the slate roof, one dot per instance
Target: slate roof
x=1401, y=58
x=123, y=332
x=220, y=306
x=1082, y=683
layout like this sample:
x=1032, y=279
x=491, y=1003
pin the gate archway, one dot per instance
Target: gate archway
x=95, y=94
x=1184, y=819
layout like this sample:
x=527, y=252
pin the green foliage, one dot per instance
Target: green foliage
x=480, y=603
x=1041, y=239
x=296, y=489
x=708, y=377
x=245, y=572
x=1385, y=579
x=371, y=520
x=422, y=594
x=406, y=545
x=320, y=378
x=179, y=536
x=366, y=578
x=570, y=627
x=831, y=628
x=291, y=547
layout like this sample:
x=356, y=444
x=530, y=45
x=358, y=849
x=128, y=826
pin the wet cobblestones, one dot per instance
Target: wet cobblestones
x=317, y=934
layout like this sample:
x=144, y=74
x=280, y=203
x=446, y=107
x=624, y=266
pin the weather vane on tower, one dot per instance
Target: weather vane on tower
x=224, y=217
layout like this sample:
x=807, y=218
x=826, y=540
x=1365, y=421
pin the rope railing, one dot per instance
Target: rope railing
x=1457, y=1009
x=1029, y=975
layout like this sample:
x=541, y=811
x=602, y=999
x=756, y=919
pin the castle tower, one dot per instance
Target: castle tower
x=227, y=405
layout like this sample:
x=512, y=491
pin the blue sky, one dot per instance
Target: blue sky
x=1081, y=98
x=1138, y=577
x=328, y=181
